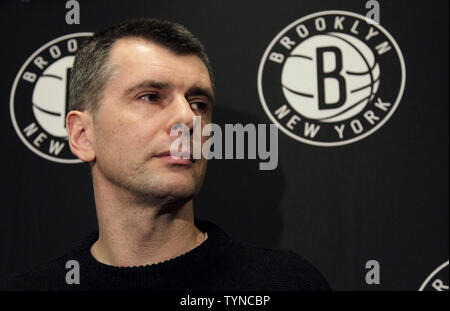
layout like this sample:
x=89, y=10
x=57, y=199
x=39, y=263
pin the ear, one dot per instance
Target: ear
x=79, y=126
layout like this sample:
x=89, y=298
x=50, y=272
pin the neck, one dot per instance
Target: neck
x=135, y=232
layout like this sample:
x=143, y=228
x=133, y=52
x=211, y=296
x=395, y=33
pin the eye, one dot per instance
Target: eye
x=151, y=97
x=199, y=106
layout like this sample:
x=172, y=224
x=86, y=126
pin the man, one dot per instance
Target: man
x=131, y=85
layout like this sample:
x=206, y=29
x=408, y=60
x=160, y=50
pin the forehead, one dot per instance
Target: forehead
x=136, y=59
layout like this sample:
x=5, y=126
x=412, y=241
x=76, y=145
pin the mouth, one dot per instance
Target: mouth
x=184, y=158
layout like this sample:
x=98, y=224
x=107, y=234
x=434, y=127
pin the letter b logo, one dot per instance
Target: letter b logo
x=335, y=74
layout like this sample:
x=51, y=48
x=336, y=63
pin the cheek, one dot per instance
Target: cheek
x=132, y=139
x=116, y=138
x=130, y=132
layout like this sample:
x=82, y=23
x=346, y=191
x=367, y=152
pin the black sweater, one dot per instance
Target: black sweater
x=219, y=263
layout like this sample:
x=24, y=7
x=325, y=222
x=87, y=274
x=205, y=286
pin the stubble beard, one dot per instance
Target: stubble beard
x=156, y=188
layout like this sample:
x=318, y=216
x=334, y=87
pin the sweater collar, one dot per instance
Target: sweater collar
x=159, y=275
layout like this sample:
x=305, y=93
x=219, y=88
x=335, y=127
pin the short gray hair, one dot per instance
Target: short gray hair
x=91, y=68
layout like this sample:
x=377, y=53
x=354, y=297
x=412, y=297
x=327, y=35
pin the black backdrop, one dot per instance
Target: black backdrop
x=384, y=197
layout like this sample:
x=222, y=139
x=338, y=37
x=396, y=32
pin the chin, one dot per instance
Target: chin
x=181, y=187
x=171, y=185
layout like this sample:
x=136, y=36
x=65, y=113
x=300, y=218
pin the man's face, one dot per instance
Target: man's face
x=151, y=90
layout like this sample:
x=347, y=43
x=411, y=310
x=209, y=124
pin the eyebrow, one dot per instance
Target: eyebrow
x=148, y=84
x=194, y=90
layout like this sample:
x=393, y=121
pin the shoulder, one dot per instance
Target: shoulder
x=45, y=276
x=278, y=269
x=240, y=266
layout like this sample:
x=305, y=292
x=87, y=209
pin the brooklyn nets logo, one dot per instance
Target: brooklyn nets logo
x=331, y=78
x=39, y=98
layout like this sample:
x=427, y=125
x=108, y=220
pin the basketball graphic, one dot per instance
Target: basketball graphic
x=50, y=108
x=39, y=99
x=331, y=78
x=359, y=71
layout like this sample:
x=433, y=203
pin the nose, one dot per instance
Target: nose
x=180, y=112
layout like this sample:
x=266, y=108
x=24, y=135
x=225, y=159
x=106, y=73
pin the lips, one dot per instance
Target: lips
x=186, y=157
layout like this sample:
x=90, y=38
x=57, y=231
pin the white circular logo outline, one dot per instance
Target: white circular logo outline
x=13, y=93
x=340, y=143
x=428, y=279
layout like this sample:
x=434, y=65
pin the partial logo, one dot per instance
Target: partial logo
x=39, y=99
x=437, y=280
x=330, y=78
